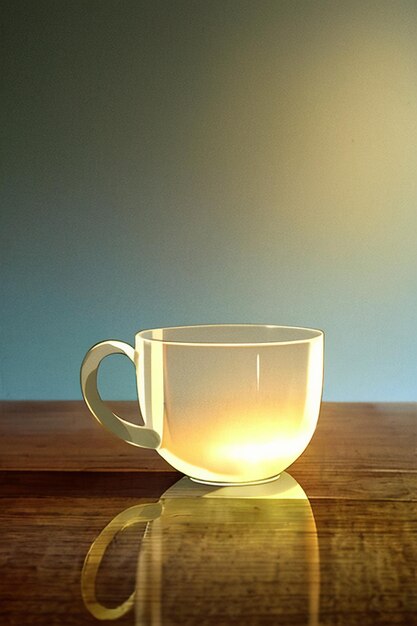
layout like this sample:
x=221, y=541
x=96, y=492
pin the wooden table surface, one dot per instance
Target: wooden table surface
x=335, y=542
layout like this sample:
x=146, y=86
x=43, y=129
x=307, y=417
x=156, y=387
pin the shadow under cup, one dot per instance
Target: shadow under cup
x=225, y=404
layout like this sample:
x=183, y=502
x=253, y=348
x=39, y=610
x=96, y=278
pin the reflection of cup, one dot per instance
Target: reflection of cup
x=223, y=404
x=244, y=555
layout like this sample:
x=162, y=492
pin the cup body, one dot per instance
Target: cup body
x=231, y=403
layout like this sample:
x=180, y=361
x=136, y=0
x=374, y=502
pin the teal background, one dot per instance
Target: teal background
x=169, y=163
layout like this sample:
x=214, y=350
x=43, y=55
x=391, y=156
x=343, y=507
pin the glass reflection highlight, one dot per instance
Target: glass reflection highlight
x=229, y=554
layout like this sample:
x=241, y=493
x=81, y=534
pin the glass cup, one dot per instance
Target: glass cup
x=224, y=404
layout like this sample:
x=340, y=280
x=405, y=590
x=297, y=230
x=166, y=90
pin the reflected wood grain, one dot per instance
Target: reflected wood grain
x=63, y=479
x=368, y=552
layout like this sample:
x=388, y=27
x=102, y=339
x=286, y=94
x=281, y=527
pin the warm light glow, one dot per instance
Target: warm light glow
x=251, y=445
x=231, y=412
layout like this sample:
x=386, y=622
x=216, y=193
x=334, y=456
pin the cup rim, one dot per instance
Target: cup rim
x=316, y=333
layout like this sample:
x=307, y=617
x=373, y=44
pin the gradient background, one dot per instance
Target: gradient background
x=178, y=162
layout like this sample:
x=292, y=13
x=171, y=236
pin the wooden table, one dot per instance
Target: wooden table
x=346, y=555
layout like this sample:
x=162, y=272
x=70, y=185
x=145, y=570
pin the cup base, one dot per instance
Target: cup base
x=236, y=484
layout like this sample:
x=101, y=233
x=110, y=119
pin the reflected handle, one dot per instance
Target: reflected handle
x=133, y=515
x=131, y=433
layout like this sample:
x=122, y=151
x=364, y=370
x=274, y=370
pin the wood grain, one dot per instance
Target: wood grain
x=358, y=450
x=63, y=479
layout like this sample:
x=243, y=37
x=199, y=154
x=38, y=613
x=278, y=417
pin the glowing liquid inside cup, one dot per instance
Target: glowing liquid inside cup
x=237, y=448
x=234, y=413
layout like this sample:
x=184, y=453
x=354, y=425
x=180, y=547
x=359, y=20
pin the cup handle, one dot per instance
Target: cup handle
x=131, y=433
x=133, y=515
